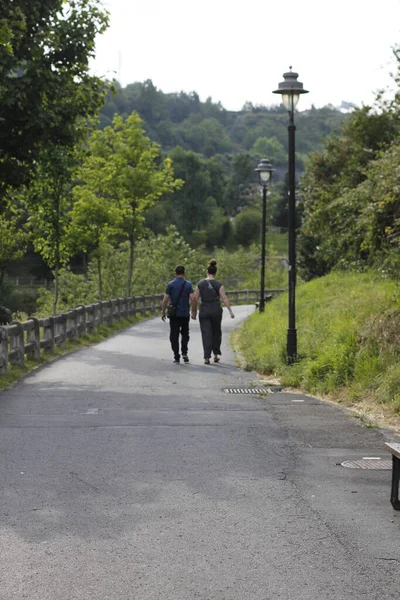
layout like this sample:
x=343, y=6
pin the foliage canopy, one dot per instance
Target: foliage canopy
x=46, y=89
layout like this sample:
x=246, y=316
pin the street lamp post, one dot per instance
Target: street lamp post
x=290, y=89
x=264, y=170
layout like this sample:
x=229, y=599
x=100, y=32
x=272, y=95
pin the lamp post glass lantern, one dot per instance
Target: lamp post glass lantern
x=264, y=170
x=291, y=89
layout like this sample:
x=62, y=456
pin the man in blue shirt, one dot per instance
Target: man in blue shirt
x=179, y=293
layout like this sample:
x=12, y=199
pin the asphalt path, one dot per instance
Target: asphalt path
x=125, y=476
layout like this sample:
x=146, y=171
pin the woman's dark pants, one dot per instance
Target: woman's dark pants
x=179, y=325
x=211, y=334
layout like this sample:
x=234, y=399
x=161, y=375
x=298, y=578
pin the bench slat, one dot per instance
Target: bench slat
x=394, y=448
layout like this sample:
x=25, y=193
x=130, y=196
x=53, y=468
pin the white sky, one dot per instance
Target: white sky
x=236, y=51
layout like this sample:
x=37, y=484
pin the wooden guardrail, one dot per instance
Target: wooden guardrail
x=34, y=335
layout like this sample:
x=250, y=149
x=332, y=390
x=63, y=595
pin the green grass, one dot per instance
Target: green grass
x=348, y=330
x=102, y=332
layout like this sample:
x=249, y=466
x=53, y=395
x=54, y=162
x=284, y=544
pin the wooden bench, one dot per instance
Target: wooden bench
x=394, y=449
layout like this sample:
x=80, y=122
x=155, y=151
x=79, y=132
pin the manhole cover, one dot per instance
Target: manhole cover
x=246, y=390
x=368, y=463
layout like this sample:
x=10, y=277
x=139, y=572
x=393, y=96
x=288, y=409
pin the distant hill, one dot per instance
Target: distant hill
x=207, y=128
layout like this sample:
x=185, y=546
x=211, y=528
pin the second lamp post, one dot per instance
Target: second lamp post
x=264, y=171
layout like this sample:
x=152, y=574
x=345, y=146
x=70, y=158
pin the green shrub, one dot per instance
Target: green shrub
x=19, y=299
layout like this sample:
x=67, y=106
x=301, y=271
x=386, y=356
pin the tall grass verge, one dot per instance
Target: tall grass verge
x=348, y=327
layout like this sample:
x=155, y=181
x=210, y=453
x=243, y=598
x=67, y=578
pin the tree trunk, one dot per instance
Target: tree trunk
x=130, y=269
x=57, y=252
x=84, y=265
x=56, y=289
x=100, y=279
x=2, y=275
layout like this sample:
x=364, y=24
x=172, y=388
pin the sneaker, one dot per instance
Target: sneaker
x=216, y=359
x=177, y=360
x=206, y=361
x=185, y=358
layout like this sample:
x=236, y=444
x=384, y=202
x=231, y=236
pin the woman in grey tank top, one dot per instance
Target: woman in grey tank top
x=210, y=291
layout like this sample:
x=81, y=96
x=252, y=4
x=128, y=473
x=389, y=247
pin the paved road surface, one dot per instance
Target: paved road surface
x=126, y=477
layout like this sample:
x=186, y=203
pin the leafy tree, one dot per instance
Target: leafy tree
x=271, y=148
x=379, y=198
x=241, y=269
x=239, y=182
x=330, y=174
x=261, y=125
x=188, y=209
x=74, y=289
x=45, y=83
x=247, y=226
x=126, y=168
x=145, y=99
x=13, y=233
x=219, y=231
x=92, y=227
x=279, y=203
x=8, y=19
x=205, y=136
x=157, y=257
x=50, y=201
x=367, y=228
x=193, y=207
x=216, y=171
x=180, y=106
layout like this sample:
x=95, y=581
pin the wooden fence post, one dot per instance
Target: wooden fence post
x=99, y=312
x=134, y=306
x=110, y=319
x=48, y=332
x=93, y=313
x=124, y=307
x=110, y=312
x=74, y=319
x=143, y=305
x=17, y=343
x=101, y=308
x=95, y=309
x=160, y=299
x=3, y=351
x=63, y=327
x=81, y=319
x=104, y=310
x=33, y=337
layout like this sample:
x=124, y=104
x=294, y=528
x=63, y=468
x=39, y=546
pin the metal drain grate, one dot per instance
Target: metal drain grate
x=246, y=391
x=368, y=463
